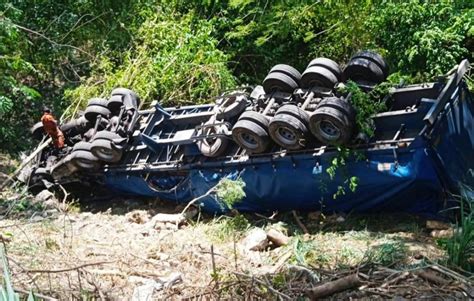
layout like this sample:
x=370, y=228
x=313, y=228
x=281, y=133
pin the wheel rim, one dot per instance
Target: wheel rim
x=286, y=135
x=248, y=140
x=329, y=130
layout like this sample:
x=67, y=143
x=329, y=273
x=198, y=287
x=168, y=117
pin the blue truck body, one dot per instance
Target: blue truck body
x=422, y=152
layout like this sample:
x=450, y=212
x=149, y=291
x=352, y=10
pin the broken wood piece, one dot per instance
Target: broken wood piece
x=395, y=280
x=332, y=287
x=168, y=218
x=432, y=277
x=277, y=238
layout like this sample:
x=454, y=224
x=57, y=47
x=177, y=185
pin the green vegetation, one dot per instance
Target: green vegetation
x=230, y=191
x=460, y=247
x=226, y=228
x=6, y=290
x=60, y=53
x=387, y=254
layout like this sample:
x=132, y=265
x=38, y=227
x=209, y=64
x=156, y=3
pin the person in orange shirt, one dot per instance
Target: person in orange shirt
x=51, y=127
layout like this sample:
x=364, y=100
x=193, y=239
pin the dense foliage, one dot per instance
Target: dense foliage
x=60, y=52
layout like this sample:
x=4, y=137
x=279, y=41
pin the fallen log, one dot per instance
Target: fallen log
x=332, y=287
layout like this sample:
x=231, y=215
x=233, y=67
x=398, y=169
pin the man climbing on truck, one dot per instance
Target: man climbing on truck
x=51, y=127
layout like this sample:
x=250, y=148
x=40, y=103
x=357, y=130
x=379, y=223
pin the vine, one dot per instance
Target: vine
x=366, y=106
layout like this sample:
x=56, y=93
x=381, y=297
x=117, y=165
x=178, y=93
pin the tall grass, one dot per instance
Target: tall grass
x=460, y=247
x=7, y=293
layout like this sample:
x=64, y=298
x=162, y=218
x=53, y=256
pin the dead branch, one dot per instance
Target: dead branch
x=70, y=269
x=395, y=280
x=431, y=277
x=192, y=202
x=272, y=289
x=330, y=288
x=35, y=294
x=300, y=224
x=51, y=41
x=443, y=270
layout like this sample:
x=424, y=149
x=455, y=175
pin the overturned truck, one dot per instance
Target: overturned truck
x=279, y=138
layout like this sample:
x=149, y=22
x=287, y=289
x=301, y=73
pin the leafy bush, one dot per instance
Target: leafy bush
x=423, y=38
x=185, y=51
x=17, y=98
x=174, y=58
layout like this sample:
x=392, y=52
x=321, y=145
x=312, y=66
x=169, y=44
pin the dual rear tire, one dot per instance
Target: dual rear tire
x=251, y=132
x=366, y=68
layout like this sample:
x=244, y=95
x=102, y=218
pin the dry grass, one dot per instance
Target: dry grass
x=99, y=253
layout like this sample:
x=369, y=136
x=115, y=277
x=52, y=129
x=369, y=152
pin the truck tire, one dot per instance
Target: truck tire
x=85, y=160
x=257, y=118
x=234, y=106
x=114, y=104
x=105, y=151
x=341, y=105
x=106, y=135
x=37, y=131
x=122, y=96
x=374, y=57
x=76, y=127
x=279, y=82
x=251, y=136
x=331, y=126
x=212, y=147
x=97, y=102
x=328, y=64
x=86, y=146
x=363, y=70
x=65, y=127
x=102, y=146
x=288, y=131
x=288, y=70
x=93, y=111
x=41, y=173
x=295, y=111
x=317, y=76
x=63, y=168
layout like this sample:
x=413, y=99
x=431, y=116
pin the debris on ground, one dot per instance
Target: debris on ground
x=437, y=225
x=140, y=250
x=256, y=240
x=138, y=216
x=277, y=238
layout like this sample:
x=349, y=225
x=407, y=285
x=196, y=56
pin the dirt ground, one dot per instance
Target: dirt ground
x=111, y=251
x=115, y=250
